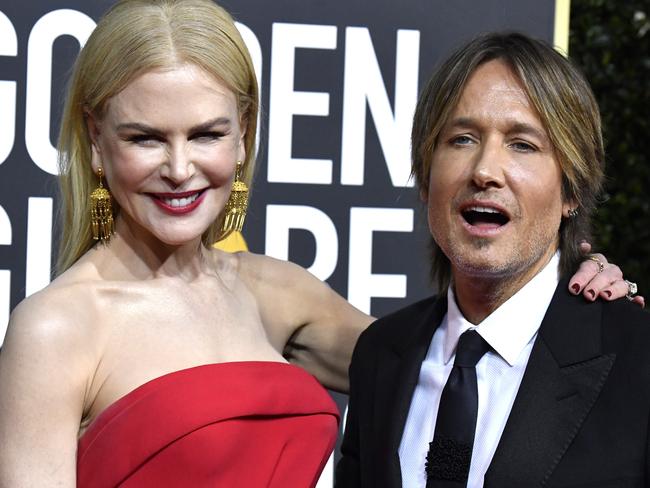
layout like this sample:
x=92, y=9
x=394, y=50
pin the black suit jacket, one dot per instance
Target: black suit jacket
x=580, y=417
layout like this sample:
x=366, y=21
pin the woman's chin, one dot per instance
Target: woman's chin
x=175, y=237
x=179, y=241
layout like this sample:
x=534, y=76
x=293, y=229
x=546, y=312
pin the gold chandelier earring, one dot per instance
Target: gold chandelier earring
x=101, y=211
x=237, y=204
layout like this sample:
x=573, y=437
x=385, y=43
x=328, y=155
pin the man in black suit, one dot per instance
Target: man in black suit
x=508, y=155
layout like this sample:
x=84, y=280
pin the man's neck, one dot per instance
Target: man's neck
x=479, y=296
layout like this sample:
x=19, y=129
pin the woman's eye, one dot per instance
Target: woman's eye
x=206, y=136
x=144, y=139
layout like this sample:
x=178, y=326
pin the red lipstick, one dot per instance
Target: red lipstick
x=161, y=199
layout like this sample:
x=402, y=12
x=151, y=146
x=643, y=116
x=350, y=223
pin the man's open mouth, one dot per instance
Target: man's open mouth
x=479, y=215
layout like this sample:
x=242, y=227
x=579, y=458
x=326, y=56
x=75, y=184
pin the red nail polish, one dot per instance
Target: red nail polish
x=576, y=288
x=592, y=294
x=608, y=293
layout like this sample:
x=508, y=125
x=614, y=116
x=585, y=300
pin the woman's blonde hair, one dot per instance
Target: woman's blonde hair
x=132, y=38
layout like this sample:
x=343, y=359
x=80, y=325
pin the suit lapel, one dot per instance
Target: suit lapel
x=563, y=378
x=396, y=378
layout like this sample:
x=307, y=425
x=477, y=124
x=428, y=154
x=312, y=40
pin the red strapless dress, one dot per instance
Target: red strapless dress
x=242, y=424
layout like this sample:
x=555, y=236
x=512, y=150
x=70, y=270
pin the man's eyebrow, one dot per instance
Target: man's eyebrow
x=461, y=122
x=515, y=127
x=204, y=126
x=523, y=128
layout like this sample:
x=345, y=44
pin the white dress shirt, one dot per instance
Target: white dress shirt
x=511, y=331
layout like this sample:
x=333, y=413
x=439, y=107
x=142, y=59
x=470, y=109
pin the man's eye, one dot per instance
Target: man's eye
x=461, y=140
x=523, y=146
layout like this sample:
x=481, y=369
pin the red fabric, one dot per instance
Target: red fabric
x=248, y=424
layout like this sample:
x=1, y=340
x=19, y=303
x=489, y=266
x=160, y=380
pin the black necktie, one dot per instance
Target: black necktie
x=450, y=452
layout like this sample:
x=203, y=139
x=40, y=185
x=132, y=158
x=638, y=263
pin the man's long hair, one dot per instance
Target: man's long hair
x=565, y=105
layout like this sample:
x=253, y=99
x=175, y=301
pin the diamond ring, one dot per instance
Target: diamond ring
x=632, y=289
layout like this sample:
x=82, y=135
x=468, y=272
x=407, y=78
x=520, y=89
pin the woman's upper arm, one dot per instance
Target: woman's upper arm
x=42, y=387
x=324, y=341
x=320, y=328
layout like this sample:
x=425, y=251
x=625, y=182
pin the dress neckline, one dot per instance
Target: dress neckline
x=154, y=382
x=236, y=401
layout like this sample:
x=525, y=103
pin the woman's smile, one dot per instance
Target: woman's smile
x=179, y=203
x=171, y=137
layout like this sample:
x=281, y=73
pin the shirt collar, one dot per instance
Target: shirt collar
x=511, y=326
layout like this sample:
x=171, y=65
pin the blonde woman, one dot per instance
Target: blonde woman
x=154, y=359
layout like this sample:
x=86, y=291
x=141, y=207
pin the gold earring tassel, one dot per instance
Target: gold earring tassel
x=236, y=205
x=101, y=211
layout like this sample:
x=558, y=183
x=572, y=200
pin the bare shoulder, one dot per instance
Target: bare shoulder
x=59, y=314
x=50, y=334
x=265, y=270
x=46, y=365
x=54, y=334
x=286, y=291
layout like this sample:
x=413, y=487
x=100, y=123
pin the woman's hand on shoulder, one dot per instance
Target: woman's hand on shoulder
x=315, y=327
x=598, y=278
x=43, y=366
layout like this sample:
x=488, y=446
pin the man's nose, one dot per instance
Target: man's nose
x=488, y=170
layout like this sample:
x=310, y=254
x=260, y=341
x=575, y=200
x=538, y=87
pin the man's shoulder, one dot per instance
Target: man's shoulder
x=393, y=332
x=625, y=334
x=624, y=318
x=625, y=308
x=621, y=327
x=400, y=323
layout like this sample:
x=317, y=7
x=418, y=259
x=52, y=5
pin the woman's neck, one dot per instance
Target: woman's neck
x=134, y=253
